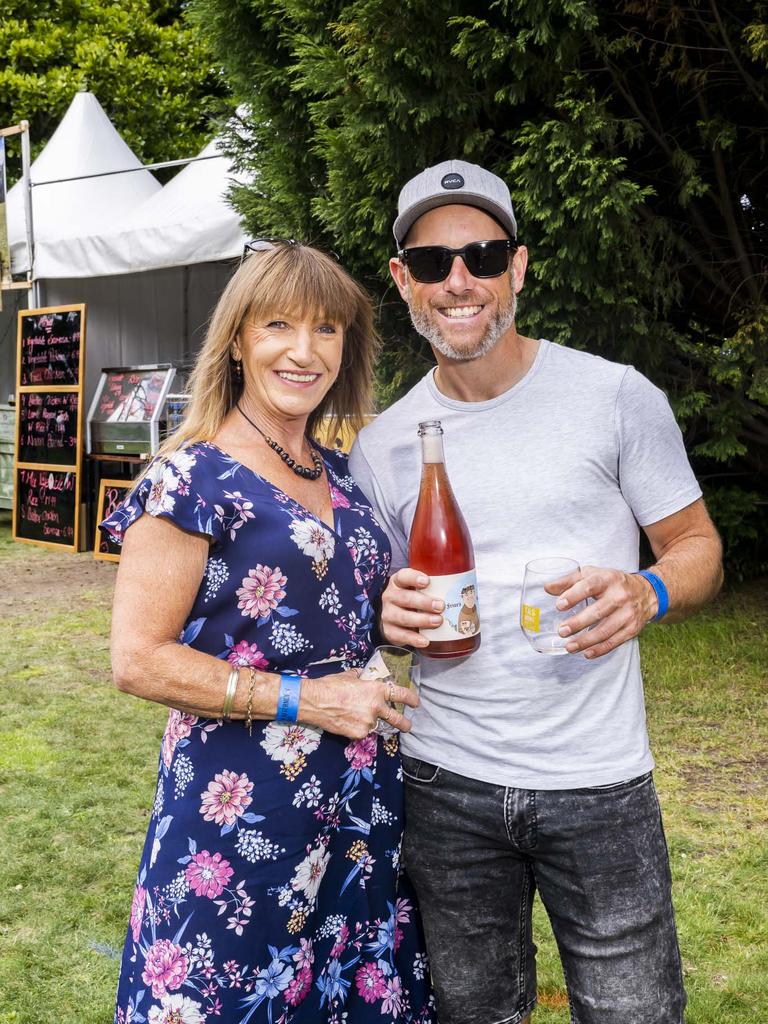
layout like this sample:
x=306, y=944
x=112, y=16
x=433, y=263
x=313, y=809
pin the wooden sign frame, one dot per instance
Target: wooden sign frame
x=126, y=485
x=44, y=387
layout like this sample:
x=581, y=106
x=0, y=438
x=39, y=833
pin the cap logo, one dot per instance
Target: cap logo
x=452, y=181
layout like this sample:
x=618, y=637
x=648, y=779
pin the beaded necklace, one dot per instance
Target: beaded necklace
x=298, y=469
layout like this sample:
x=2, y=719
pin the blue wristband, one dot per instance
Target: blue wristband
x=662, y=595
x=288, y=697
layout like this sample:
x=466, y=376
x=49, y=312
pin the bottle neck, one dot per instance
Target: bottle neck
x=432, y=449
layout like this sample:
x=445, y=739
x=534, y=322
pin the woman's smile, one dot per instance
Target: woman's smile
x=294, y=378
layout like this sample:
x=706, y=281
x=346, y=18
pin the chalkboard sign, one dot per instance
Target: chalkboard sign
x=46, y=507
x=111, y=493
x=48, y=427
x=51, y=346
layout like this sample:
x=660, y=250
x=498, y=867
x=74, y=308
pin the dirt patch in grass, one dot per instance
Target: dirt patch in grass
x=554, y=999
x=63, y=578
x=721, y=773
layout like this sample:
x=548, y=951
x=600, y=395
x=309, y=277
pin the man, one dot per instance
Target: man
x=525, y=771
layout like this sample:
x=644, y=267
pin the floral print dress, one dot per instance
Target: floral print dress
x=269, y=889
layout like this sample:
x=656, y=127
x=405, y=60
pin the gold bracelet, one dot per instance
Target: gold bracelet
x=251, y=688
x=229, y=696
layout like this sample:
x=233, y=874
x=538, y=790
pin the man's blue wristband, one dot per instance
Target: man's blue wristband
x=288, y=697
x=662, y=595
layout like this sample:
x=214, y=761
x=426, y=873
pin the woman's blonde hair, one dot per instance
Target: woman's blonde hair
x=293, y=280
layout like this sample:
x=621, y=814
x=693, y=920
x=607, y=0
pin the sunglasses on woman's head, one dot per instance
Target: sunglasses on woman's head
x=264, y=245
x=429, y=264
x=272, y=242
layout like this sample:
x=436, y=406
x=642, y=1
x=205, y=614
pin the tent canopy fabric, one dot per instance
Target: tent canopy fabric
x=149, y=262
x=85, y=142
x=187, y=222
x=121, y=223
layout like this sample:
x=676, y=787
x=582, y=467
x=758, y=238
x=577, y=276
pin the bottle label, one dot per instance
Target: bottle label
x=462, y=615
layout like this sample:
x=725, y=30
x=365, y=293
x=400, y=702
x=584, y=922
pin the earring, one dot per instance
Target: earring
x=238, y=370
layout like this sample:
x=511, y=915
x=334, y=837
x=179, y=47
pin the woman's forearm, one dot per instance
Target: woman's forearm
x=196, y=683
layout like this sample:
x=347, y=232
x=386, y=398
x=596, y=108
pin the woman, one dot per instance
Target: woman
x=268, y=889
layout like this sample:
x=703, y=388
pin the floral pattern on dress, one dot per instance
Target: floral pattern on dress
x=269, y=889
x=261, y=591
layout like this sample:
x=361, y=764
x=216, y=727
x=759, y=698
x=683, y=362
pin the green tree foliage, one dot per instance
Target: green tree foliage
x=632, y=134
x=148, y=68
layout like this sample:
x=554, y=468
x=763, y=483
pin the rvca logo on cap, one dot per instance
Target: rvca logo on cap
x=452, y=181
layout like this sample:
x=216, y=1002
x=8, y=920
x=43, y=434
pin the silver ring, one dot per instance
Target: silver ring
x=390, y=691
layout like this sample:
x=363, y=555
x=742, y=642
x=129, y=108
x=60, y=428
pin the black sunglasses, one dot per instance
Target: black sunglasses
x=272, y=242
x=432, y=263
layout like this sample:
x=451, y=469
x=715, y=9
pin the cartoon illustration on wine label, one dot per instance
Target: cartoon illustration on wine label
x=461, y=616
x=469, y=620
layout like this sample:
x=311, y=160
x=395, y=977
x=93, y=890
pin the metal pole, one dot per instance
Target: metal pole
x=132, y=170
x=26, y=164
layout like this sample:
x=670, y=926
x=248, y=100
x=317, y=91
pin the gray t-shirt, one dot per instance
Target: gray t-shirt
x=567, y=462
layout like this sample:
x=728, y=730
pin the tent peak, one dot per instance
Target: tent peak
x=84, y=143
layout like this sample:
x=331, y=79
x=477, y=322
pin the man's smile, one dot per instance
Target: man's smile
x=459, y=312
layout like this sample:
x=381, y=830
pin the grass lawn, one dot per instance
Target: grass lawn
x=77, y=763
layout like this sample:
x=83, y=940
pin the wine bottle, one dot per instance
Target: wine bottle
x=440, y=546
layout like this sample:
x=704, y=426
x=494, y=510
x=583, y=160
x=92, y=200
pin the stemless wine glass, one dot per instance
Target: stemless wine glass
x=539, y=618
x=397, y=665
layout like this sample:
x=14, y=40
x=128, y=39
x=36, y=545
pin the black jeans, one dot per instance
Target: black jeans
x=476, y=853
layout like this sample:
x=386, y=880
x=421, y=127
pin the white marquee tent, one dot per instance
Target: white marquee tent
x=187, y=222
x=85, y=143
x=150, y=262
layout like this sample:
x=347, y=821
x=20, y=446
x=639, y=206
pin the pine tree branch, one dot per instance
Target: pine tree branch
x=748, y=79
x=698, y=218
x=726, y=209
x=695, y=257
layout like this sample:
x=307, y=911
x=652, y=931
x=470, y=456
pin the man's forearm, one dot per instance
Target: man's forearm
x=690, y=567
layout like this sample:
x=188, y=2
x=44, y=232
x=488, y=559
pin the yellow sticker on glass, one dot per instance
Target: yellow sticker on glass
x=530, y=618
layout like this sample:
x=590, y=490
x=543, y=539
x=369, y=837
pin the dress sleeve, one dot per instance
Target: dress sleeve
x=181, y=488
x=655, y=476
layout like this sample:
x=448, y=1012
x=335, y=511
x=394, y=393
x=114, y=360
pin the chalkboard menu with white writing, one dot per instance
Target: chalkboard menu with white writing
x=46, y=507
x=49, y=425
x=50, y=351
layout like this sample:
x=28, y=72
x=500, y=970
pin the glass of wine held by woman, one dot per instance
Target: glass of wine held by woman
x=269, y=889
x=397, y=667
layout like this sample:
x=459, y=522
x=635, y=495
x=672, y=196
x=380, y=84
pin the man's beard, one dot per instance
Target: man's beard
x=502, y=321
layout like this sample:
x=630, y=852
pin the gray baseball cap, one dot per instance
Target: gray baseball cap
x=453, y=182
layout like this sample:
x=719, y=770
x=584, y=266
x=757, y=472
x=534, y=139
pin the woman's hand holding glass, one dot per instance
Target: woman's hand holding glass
x=346, y=704
x=400, y=669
